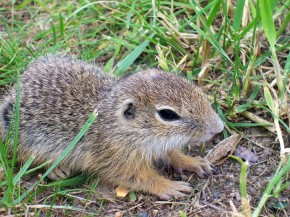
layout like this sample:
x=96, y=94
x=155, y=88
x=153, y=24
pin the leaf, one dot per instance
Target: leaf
x=132, y=196
x=267, y=21
x=181, y=213
x=269, y=98
x=162, y=61
x=222, y=149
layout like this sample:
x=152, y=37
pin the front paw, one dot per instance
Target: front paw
x=200, y=166
x=175, y=189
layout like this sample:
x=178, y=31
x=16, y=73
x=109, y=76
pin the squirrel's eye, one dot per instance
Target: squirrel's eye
x=168, y=115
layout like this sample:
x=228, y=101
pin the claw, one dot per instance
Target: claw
x=214, y=170
x=59, y=173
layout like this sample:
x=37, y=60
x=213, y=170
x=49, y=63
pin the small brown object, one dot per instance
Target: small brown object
x=121, y=192
x=118, y=214
x=141, y=119
x=223, y=149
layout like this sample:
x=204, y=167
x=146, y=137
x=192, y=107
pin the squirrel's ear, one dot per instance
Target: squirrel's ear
x=129, y=109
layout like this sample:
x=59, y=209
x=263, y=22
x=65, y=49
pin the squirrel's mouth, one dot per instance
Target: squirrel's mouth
x=196, y=140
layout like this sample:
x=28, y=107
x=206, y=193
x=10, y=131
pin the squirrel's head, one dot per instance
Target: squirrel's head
x=163, y=111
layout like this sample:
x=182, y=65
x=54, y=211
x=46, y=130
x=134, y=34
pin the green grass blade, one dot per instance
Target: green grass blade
x=3, y=161
x=68, y=149
x=267, y=21
x=96, y=2
x=213, y=13
x=238, y=14
x=283, y=25
x=123, y=65
x=80, y=9
x=275, y=116
x=61, y=26
x=67, y=182
x=32, y=170
x=23, y=4
x=23, y=169
x=274, y=4
x=253, y=8
x=250, y=125
x=270, y=32
x=273, y=181
x=53, y=32
x=243, y=176
x=280, y=189
x=130, y=14
x=287, y=65
x=269, y=99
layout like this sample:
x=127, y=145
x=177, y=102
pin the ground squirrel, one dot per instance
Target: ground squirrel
x=141, y=119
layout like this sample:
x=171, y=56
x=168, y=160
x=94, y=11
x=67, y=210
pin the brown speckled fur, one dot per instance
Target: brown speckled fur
x=58, y=94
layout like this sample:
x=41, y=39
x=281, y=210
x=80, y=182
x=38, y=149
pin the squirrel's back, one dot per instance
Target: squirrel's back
x=57, y=95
